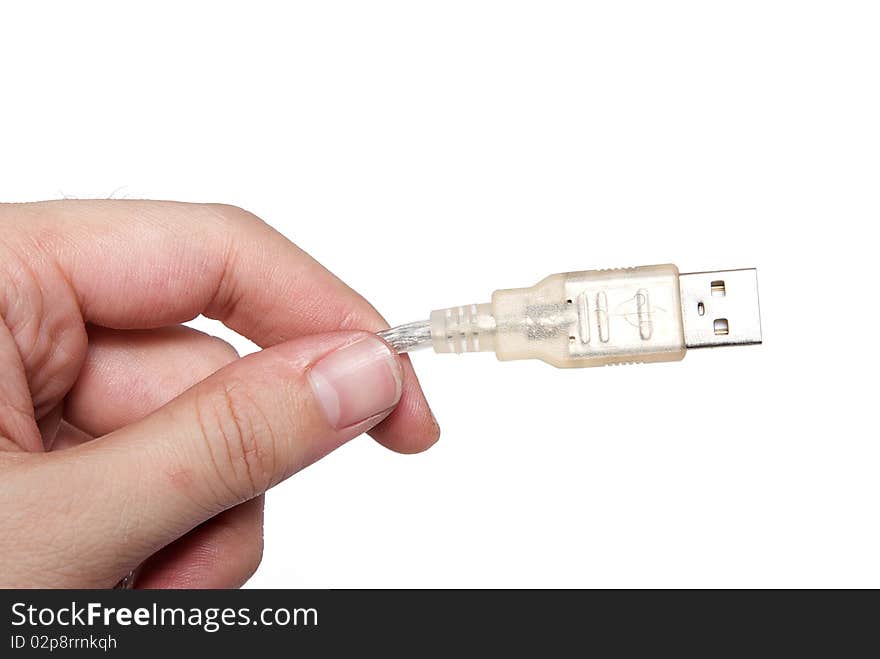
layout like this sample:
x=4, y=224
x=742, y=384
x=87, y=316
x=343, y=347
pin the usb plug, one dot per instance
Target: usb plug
x=596, y=317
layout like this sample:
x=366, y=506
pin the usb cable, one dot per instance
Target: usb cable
x=597, y=317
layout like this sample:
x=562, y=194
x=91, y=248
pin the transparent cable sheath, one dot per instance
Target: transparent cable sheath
x=409, y=337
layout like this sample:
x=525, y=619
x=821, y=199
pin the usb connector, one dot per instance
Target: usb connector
x=720, y=308
x=597, y=317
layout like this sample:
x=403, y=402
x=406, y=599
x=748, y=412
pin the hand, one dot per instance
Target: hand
x=129, y=440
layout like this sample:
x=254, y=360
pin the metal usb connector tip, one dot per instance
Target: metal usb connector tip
x=720, y=308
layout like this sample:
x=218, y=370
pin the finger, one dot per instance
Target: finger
x=149, y=264
x=224, y=441
x=223, y=552
x=18, y=426
x=129, y=374
x=42, y=340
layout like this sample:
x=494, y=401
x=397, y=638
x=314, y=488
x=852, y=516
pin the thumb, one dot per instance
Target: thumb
x=224, y=441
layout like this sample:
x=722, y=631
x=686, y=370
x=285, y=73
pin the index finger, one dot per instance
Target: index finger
x=145, y=264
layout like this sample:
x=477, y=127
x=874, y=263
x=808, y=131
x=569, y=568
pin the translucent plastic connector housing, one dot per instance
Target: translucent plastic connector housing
x=588, y=318
x=599, y=317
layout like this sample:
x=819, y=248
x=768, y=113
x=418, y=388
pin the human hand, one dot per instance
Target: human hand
x=129, y=440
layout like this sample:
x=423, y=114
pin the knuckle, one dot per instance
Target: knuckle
x=233, y=228
x=233, y=216
x=239, y=439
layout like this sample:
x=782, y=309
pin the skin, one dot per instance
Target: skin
x=129, y=441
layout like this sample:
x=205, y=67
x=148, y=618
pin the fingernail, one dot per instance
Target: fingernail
x=356, y=382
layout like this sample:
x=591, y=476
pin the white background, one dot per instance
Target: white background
x=429, y=153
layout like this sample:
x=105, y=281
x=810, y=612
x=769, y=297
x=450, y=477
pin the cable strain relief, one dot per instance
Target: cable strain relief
x=469, y=328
